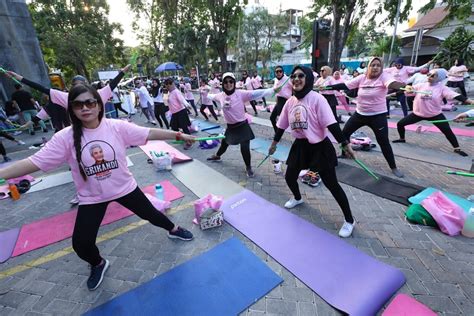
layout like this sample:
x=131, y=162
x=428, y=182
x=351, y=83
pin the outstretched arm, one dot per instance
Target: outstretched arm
x=114, y=82
x=18, y=169
x=29, y=83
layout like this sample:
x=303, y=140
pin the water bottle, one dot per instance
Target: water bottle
x=159, y=192
x=468, y=228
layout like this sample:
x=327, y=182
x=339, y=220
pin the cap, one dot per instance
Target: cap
x=228, y=74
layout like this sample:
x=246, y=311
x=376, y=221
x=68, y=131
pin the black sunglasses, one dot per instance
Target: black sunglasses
x=299, y=76
x=278, y=71
x=78, y=105
x=228, y=81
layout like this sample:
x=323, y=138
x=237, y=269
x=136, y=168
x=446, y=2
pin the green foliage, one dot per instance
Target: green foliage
x=457, y=45
x=382, y=46
x=76, y=36
x=360, y=40
x=389, y=8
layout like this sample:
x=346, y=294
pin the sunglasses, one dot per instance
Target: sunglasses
x=323, y=70
x=430, y=75
x=78, y=105
x=228, y=81
x=299, y=76
x=278, y=71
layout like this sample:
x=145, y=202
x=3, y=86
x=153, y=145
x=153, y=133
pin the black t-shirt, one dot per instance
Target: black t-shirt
x=10, y=110
x=23, y=98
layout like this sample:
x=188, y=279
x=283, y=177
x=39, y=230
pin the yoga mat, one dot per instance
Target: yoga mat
x=462, y=202
x=8, y=241
x=159, y=145
x=207, y=125
x=225, y=280
x=261, y=145
x=342, y=275
x=434, y=129
x=404, y=305
x=388, y=188
x=59, y=227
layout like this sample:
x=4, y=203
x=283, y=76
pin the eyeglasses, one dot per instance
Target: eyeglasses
x=323, y=70
x=278, y=71
x=299, y=76
x=78, y=105
x=430, y=75
x=228, y=81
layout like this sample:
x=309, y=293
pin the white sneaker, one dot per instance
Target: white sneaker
x=292, y=203
x=20, y=142
x=277, y=167
x=346, y=229
x=75, y=200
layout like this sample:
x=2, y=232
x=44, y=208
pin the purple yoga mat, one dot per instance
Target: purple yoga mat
x=7, y=243
x=342, y=275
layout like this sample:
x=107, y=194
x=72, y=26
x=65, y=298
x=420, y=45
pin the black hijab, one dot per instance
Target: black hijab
x=228, y=92
x=309, y=81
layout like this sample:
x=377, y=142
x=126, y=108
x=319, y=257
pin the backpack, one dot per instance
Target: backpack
x=416, y=213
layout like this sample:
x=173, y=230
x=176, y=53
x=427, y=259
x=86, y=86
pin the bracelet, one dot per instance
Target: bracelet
x=178, y=136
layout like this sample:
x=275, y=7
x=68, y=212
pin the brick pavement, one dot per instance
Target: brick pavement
x=439, y=269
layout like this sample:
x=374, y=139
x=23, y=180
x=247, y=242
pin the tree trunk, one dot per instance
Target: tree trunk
x=339, y=33
x=223, y=56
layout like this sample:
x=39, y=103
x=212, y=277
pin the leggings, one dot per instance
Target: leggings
x=149, y=112
x=443, y=127
x=277, y=111
x=403, y=101
x=194, y=106
x=263, y=98
x=331, y=98
x=329, y=178
x=253, y=103
x=458, y=84
x=118, y=106
x=90, y=216
x=160, y=114
x=3, y=151
x=410, y=100
x=28, y=114
x=211, y=109
x=244, y=150
x=378, y=124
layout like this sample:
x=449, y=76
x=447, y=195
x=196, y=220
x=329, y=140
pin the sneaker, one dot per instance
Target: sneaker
x=6, y=159
x=293, y=202
x=45, y=130
x=346, y=229
x=398, y=141
x=20, y=142
x=214, y=158
x=75, y=200
x=250, y=172
x=277, y=167
x=153, y=122
x=460, y=152
x=16, y=133
x=32, y=133
x=397, y=172
x=315, y=180
x=306, y=178
x=181, y=233
x=187, y=146
x=97, y=275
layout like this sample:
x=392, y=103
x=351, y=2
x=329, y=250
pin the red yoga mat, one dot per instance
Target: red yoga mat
x=404, y=305
x=159, y=145
x=59, y=227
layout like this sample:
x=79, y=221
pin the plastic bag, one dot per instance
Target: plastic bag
x=208, y=144
x=162, y=161
x=207, y=211
x=160, y=205
x=448, y=215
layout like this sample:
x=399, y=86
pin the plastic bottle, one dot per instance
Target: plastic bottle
x=14, y=191
x=159, y=192
x=468, y=228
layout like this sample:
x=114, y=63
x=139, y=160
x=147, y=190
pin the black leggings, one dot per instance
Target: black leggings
x=160, y=114
x=443, y=127
x=458, y=84
x=253, y=103
x=118, y=106
x=403, y=102
x=211, y=109
x=90, y=216
x=277, y=111
x=244, y=150
x=3, y=151
x=329, y=179
x=378, y=124
x=194, y=107
x=331, y=98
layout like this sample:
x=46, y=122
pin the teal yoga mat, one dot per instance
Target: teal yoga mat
x=222, y=281
x=462, y=202
x=261, y=145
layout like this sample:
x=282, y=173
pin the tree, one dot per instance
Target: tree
x=76, y=35
x=457, y=45
x=458, y=9
x=361, y=39
x=381, y=47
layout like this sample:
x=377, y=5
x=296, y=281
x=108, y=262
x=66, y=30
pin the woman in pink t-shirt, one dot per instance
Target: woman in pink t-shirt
x=281, y=80
x=95, y=149
x=326, y=79
x=178, y=107
x=428, y=106
x=310, y=119
x=371, y=109
x=341, y=98
x=238, y=130
x=204, y=90
x=456, y=76
x=188, y=94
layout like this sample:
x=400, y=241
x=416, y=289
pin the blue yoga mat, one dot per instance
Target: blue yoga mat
x=222, y=281
x=261, y=145
x=207, y=125
x=462, y=202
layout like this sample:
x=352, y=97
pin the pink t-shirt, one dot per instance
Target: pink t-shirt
x=457, y=69
x=426, y=105
x=204, y=90
x=336, y=81
x=401, y=74
x=60, y=97
x=371, y=96
x=287, y=89
x=176, y=101
x=329, y=80
x=188, y=95
x=103, y=156
x=233, y=105
x=308, y=118
x=257, y=82
x=248, y=84
x=215, y=83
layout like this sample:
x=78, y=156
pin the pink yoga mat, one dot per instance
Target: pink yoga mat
x=159, y=145
x=59, y=227
x=404, y=305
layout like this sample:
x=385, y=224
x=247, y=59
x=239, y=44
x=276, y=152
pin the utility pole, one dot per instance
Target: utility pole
x=394, y=31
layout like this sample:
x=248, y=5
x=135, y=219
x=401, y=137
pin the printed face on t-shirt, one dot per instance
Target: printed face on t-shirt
x=298, y=118
x=98, y=159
